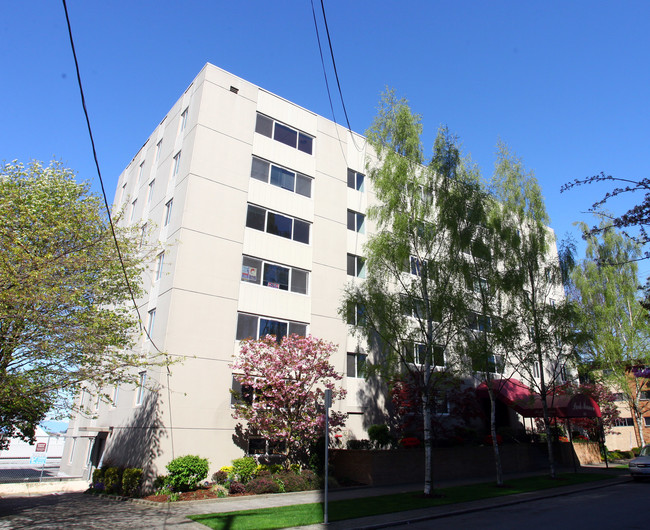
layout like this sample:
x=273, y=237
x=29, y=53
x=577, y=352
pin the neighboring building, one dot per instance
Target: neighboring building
x=259, y=206
x=626, y=434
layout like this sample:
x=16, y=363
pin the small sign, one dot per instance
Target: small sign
x=37, y=460
x=40, y=447
x=249, y=274
x=274, y=285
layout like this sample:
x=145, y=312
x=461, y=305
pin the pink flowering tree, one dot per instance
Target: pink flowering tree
x=282, y=390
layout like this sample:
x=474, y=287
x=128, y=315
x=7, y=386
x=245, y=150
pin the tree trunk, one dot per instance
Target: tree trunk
x=493, y=431
x=428, y=450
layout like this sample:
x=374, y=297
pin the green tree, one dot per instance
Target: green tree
x=548, y=337
x=65, y=313
x=492, y=327
x=606, y=288
x=409, y=306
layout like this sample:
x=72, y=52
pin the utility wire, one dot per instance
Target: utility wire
x=329, y=40
x=101, y=181
x=327, y=85
x=110, y=220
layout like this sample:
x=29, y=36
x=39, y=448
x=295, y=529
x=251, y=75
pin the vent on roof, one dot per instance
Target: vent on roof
x=234, y=90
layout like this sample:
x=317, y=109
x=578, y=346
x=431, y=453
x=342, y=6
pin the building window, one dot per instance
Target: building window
x=623, y=422
x=141, y=172
x=254, y=326
x=645, y=395
x=479, y=322
x=152, y=184
x=480, y=285
x=356, y=266
x=158, y=150
x=355, y=180
x=281, y=177
x=168, y=212
x=275, y=276
x=416, y=354
x=646, y=421
x=277, y=224
x=495, y=364
x=143, y=234
x=140, y=393
x=177, y=163
x=536, y=371
x=284, y=134
x=133, y=207
x=356, y=314
x=263, y=446
x=151, y=322
x=416, y=265
x=357, y=364
x=356, y=221
x=160, y=260
x=183, y=120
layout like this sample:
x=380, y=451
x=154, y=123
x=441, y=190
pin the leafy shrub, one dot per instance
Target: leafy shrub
x=131, y=481
x=98, y=475
x=379, y=435
x=263, y=469
x=244, y=468
x=220, y=477
x=186, y=471
x=113, y=480
x=220, y=490
x=359, y=444
x=312, y=479
x=293, y=482
x=261, y=485
x=159, y=482
x=236, y=487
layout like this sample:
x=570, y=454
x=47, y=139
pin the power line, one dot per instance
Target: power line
x=101, y=181
x=336, y=74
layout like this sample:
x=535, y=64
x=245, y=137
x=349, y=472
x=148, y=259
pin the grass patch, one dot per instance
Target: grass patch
x=306, y=514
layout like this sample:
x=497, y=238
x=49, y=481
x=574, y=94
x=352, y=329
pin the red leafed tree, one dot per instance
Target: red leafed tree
x=282, y=390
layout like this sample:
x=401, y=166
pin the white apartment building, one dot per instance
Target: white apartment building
x=258, y=205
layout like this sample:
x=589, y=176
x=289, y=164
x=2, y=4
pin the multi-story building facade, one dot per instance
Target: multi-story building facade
x=258, y=207
x=251, y=198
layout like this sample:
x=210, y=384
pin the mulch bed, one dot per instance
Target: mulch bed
x=197, y=495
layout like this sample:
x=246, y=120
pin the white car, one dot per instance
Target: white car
x=640, y=466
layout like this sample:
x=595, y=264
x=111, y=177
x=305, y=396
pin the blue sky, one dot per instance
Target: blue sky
x=565, y=84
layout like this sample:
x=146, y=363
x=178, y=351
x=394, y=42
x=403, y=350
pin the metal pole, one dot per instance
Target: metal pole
x=328, y=404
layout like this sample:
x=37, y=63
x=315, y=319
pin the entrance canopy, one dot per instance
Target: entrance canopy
x=519, y=397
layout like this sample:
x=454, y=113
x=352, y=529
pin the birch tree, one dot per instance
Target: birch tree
x=409, y=306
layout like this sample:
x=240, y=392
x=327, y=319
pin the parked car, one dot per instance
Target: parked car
x=640, y=466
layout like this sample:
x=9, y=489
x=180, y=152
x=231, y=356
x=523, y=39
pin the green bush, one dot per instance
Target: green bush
x=131, y=481
x=244, y=468
x=98, y=475
x=186, y=471
x=359, y=444
x=380, y=435
x=113, y=480
x=292, y=481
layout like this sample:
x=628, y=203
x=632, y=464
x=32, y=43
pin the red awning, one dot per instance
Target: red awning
x=519, y=397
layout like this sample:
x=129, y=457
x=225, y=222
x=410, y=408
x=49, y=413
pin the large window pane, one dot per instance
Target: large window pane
x=352, y=181
x=246, y=326
x=250, y=270
x=279, y=225
x=301, y=231
x=299, y=281
x=264, y=125
x=352, y=220
x=282, y=178
x=260, y=170
x=273, y=327
x=303, y=185
x=298, y=329
x=255, y=217
x=305, y=143
x=276, y=276
x=285, y=135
